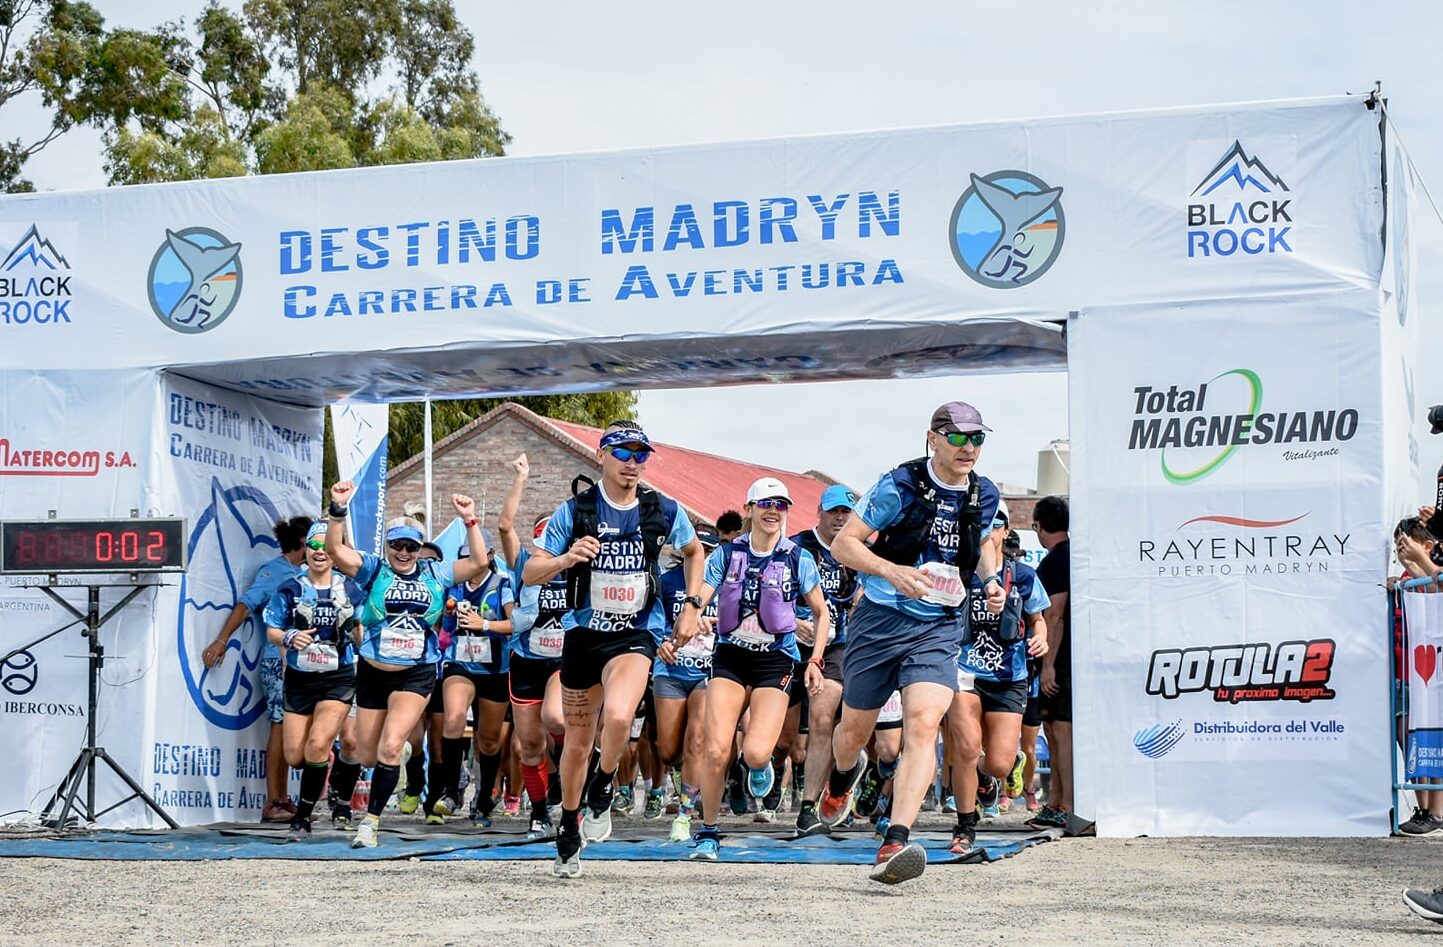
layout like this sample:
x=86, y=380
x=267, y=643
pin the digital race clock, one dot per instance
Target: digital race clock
x=34, y=547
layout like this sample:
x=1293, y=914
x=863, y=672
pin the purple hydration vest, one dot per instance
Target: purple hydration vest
x=774, y=585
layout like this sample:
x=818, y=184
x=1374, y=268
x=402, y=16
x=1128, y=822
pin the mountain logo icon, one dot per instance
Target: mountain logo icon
x=230, y=540
x=35, y=250
x=1242, y=170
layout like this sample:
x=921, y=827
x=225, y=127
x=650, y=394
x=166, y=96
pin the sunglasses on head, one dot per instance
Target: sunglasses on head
x=403, y=545
x=959, y=439
x=318, y=544
x=628, y=454
x=780, y=506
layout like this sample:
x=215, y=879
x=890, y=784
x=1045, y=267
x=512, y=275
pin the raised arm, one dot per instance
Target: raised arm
x=346, y=559
x=506, y=519
x=467, y=569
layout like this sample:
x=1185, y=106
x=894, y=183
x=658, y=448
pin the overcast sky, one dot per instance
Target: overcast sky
x=569, y=76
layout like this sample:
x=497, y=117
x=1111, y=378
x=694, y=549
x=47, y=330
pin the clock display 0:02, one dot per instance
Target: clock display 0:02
x=92, y=546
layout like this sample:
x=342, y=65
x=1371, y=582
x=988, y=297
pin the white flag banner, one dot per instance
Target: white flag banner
x=361, y=432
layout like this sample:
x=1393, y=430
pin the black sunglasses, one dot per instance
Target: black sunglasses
x=403, y=545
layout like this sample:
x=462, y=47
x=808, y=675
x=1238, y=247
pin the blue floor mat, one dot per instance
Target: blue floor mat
x=211, y=844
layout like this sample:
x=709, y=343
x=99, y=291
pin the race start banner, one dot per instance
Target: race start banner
x=362, y=436
x=1424, y=756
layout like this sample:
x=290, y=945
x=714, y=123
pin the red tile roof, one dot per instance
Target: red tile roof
x=711, y=485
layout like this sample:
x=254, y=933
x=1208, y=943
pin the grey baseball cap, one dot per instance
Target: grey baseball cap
x=958, y=416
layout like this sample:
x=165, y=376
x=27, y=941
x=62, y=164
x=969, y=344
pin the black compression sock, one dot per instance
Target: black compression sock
x=841, y=779
x=416, y=772
x=384, y=780
x=453, y=757
x=490, y=765
x=435, y=784
x=313, y=779
x=343, y=779
x=599, y=793
x=900, y=834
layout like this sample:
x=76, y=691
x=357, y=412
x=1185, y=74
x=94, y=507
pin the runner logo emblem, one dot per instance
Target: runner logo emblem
x=195, y=279
x=1007, y=229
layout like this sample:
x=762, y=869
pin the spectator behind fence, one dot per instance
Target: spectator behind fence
x=1050, y=520
x=1414, y=547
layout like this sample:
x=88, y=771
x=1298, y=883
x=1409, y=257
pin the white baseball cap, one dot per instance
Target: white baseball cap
x=768, y=488
x=1002, y=515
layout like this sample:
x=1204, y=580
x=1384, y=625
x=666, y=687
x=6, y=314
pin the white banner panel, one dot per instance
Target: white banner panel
x=1228, y=527
x=361, y=432
x=237, y=464
x=78, y=444
x=474, y=269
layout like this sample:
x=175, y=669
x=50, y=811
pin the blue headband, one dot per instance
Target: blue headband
x=624, y=436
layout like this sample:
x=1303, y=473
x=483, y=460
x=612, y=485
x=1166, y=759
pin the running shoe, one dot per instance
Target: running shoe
x=988, y=789
x=964, y=835
x=479, y=819
x=1032, y=804
x=1049, y=818
x=929, y=801
x=991, y=812
x=881, y=826
x=341, y=817
x=1427, y=904
x=809, y=824
x=366, y=832
x=680, y=828
x=511, y=806
x=435, y=818
x=446, y=805
x=540, y=824
x=654, y=799
x=622, y=802
x=568, y=852
x=1014, y=778
x=949, y=804
x=1423, y=822
x=761, y=781
x=1004, y=803
x=833, y=809
x=869, y=791
x=773, y=800
x=409, y=804
x=299, y=831
x=275, y=812
x=763, y=814
x=595, y=826
x=897, y=863
x=708, y=846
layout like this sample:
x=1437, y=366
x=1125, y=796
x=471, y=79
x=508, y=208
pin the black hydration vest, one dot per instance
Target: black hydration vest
x=905, y=540
x=808, y=540
x=654, y=531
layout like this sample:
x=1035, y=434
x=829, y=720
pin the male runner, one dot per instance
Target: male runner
x=905, y=633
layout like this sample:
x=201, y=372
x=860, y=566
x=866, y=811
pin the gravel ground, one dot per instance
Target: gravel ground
x=1096, y=891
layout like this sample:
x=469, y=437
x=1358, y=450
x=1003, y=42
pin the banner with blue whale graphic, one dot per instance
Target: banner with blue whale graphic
x=361, y=433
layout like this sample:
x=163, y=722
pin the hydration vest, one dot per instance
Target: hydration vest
x=905, y=540
x=808, y=540
x=775, y=611
x=373, y=611
x=654, y=531
x=305, y=610
x=1009, y=622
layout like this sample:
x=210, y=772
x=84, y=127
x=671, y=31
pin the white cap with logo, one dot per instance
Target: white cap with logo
x=768, y=488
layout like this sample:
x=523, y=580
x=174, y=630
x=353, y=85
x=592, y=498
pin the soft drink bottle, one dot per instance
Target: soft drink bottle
x=361, y=797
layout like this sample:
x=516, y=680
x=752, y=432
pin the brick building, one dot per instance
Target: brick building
x=476, y=460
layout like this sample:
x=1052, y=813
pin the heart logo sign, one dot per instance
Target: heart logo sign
x=1425, y=661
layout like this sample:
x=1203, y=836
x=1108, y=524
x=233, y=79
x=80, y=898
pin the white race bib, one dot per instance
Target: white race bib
x=616, y=593
x=966, y=680
x=318, y=657
x=700, y=646
x=407, y=644
x=547, y=644
x=948, y=589
x=891, y=711
x=473, y=649
x=750, y=632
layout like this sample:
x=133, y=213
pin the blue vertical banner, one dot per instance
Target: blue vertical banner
x=361, y=433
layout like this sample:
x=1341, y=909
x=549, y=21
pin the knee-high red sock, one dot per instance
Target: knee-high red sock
x=534, y=778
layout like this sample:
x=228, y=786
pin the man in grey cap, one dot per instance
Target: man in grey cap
x=906, y=631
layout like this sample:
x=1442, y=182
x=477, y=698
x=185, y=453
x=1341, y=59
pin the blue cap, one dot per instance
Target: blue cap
x=620, y=436
x=405, y=532
x=318, y=528
x=837, y=496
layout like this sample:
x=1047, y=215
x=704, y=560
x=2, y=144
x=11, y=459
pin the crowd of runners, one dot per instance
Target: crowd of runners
x=609, y=643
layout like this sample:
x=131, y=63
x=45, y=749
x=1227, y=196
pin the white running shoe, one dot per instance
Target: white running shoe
x=567, y=867
x=366, y=832
x=681, y=828
x=595, y=827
